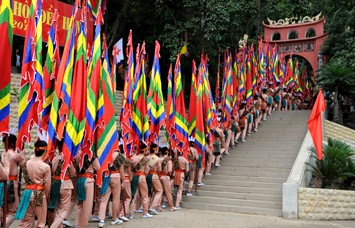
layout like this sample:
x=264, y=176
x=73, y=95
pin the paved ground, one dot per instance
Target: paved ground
x=189, y=218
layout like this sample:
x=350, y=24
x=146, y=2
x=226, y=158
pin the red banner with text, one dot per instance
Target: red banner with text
x=21, y=12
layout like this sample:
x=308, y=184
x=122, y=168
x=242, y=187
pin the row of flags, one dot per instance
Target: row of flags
x=245, y=74
x=72, y=98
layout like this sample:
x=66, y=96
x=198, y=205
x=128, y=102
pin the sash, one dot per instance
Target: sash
x=134, y=185
x=26, y=196
x=105, y=183
x=140, y=164
x=149, y=180
x=55, y=187
x=81, y=194
x=153, y=160
x=164, y=163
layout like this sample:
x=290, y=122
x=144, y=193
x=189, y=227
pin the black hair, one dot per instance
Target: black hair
x=164, y=150
x=60, y=145
x=152, y=147
x=121, y=149
x=12, y=141
x=216, y=135
x=40, y=148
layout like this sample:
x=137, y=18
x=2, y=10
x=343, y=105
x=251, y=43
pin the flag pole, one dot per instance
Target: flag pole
x=4, y=211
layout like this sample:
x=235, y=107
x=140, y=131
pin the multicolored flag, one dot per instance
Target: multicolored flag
x=126, y=113
x=107, y=136
x=228, y=98
x=60, y=97
x=32, y=84
x=170, y=107
x=217, y=93
x=275, y=66
x=155, y=98
x=181, y=130
x=193, y=101
x=200, y=139
x=261, y=65
x=139, y=109
x=50, y=71
x=6, y=25
x=75, y=125
x=249, y=81
x=94, y=108
x=289, y=72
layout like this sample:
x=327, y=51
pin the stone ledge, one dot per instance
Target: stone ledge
x=325, y=204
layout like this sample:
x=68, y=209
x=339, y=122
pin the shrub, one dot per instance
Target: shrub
x=337, y=164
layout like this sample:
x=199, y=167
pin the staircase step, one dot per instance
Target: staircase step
x=251, y=173
x=239, y=202
x=233, y=208
x=244, y=178
x=243, y=184
x=238, y=195
x=254, y=190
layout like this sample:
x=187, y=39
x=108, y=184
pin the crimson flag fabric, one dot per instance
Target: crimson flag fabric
x=315, y=124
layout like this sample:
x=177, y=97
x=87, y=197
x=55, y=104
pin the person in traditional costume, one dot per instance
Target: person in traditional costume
x=181, y=166
x=140, y=168
x=193, y=157
x=85, y=191
x=61, y=189
x=112, y=185
x=155, y=189
x=125, y=209
x=37, y=175
x=164, y=175
x=15, y=160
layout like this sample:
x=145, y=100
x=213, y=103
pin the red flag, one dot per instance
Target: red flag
x=315, y=124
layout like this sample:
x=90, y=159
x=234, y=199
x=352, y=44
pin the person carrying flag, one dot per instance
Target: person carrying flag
x=181, y=166
x=61, y=190
x=140, y=168
x=37, y=175
x=15, y=160
x=153, y=181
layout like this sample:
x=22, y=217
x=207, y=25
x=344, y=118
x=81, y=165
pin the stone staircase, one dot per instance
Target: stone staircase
x=250, y=178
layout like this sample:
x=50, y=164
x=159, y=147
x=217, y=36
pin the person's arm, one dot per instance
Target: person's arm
x=96, y=164
x=4, y=166
x=47, y=181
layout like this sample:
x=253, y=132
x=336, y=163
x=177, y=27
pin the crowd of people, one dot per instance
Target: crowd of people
x=152, y=179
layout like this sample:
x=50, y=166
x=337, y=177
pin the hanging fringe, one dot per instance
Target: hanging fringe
x=1, y=194
x=24, y=203
x=134, y=185
x=81, y=189
x=55, y=194
x=149, y=180
x=105, y=183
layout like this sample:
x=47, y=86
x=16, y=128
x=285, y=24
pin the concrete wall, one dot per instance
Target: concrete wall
x=325, y=204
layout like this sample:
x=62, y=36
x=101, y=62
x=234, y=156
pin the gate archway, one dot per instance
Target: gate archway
x=303, y=36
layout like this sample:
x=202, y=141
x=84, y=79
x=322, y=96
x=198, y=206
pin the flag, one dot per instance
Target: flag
x=50, y=70
x=275, y=67
x=117, y=52
x=155, y=98
x=228, y=98
x=217, y=93
x=193, y=101
x=94, y=7
x=181, y=130
x=107, y=136
x=289, y=72
x=126, y=113
x=200, y=126
x=184, y=50
x=170, y=106
x=60, y=97
x=261, y=65
x=75, y=125
x=32, y=84
x=249, y=81
x=6, y=25
x=94, y=107
x=139, y=109
x=315, y=124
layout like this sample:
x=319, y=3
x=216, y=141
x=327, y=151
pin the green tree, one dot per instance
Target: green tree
x=338, y=78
